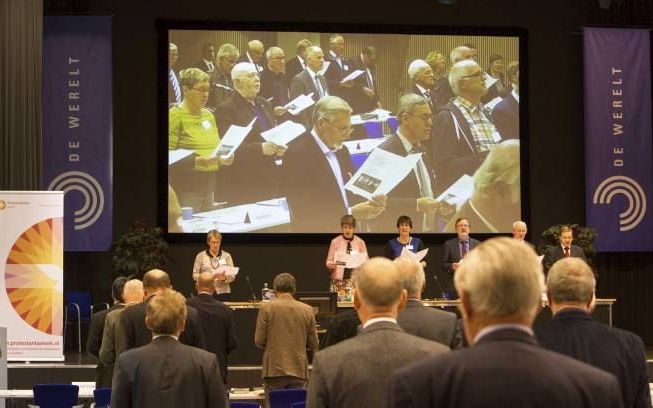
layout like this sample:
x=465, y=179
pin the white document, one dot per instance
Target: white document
x=380, y=173
x=227, y=270
x=324, y=68
x=232, y=139
x=352, y=260
x=458, y=192
x=352, y=76
x=284, y=133
x=362, y=145
x=418, y=256
x=299, y=104
x=175, y=155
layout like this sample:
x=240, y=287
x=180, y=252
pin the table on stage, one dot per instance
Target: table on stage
x=85, y=394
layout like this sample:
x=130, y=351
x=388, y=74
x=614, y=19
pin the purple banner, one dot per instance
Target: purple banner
x=618, y=173
x=77, y=126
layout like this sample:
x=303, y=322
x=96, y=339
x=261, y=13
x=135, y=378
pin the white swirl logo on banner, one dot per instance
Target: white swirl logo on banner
x=89, y=187
x=633, y=192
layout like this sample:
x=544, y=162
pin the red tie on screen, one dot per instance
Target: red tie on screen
x=567, y=251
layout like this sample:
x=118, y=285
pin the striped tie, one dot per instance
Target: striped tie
x=175, y=86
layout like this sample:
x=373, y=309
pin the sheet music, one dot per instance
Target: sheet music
x=175, y=155
x=284, y=133
x=352, y=76
x=232, y=139
x=299, y=104
x=418, y=256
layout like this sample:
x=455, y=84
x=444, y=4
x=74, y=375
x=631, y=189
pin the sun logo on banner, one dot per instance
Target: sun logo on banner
x=90, y=189
x=34, y=276
x=629, y=188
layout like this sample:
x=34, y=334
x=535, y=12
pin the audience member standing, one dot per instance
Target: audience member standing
x=285, y=328
x=571, y=291
x=500, y=285
x=164, y=372
x=356, y=372
x=216, y=319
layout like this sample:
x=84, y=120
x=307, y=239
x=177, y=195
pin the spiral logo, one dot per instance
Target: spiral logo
x=630, y=189
x=89, y=187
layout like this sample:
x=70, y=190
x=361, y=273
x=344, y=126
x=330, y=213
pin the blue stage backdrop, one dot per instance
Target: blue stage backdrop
x=77, y=126
x=618, y=138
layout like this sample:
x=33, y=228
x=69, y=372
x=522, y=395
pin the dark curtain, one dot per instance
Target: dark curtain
x=21, y=34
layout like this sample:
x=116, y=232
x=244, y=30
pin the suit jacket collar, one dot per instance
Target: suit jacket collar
x=507, y=335
x=414, y=303
x=572, y=314
x=381, y=326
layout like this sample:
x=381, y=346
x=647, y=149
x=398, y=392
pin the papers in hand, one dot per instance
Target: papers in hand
x=458, y=192
x=227, y=270
x=353, y=260
x=175, y=155
x=299, y=104
x=380, y=173
x=284, y=133
x=418, y=256
x=352, y=76
x=233, y=139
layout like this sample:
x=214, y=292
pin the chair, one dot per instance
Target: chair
x=244, y=405
x=285, y=398
x=374, y=130
x=56, y=395
x=79, y=305
x=298, y=405
x=102, y=397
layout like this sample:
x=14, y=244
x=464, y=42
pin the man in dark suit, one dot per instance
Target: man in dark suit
x=297, y=64
x=221, y=84
x=310, y=80
x=164, y=372
x=131, y=331
x=443, y=90
x=274, y=86
x=422, y=321
x=506, y=114
x=316, y=168
x=355, y=373
x=96, y=330
x=500, y=285
x=338, y=68
x=174, y=86
x=571, y=288
x=564, y=250
x=207, y=63
x=455, y=250
x=254, y=55
x=254, y=175
x=364, y=95
x=413, y=196
x=217, y=321
x=421, y=73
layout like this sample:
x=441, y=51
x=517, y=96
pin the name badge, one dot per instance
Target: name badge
x=409, y=247
x=345, y=67
x=206, y=124
x=353, y=252
x=496, y=137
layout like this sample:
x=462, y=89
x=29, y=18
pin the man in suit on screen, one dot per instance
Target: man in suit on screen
x=500, y=285
x=297, y=64
x=164, y=372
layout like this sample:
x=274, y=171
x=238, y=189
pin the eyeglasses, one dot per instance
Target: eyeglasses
x=425, y=117
x=279, y=58
x=202, y=90
x=479, y=74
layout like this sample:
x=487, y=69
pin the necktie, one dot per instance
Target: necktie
x=370, y=83
x=210, y=66
x=421, y=174
x=463, y=249
x=347, y=272
x=318, y=86
x=567, y=252
x=262, y=120
x=175, y=86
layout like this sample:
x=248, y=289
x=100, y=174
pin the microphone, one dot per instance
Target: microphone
x=251, y=291
x=439, y=286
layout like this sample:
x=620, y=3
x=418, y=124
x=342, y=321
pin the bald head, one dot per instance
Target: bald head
x=154, y=281
x=205, y=282
x=378, y=285
x=133, y=291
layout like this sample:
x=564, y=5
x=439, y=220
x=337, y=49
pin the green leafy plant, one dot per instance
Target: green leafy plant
x=139, y=249
x=583, y=237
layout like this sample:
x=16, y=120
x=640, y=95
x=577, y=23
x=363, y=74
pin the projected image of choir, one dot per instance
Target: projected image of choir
x=422, y=128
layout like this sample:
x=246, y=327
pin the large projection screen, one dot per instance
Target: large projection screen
x=242, y=157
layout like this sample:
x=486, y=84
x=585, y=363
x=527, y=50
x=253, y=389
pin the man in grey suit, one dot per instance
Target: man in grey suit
x=310, y=81
x=422, y=321
x=564, y=250
x=166, y=373
x=355, y=372
x=500, y=285
x=455, y=250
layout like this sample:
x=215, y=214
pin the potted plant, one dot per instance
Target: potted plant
x=139, y=249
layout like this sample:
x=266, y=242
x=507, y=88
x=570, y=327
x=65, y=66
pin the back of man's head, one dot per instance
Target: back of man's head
x=166, y=313
x=206, y=282
x=133, y=291
x=284, y=283
x=379, y=285
x=412, y=275
x=502, y=281
x=117, y=288
x=155, y=280
x=570, y=281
